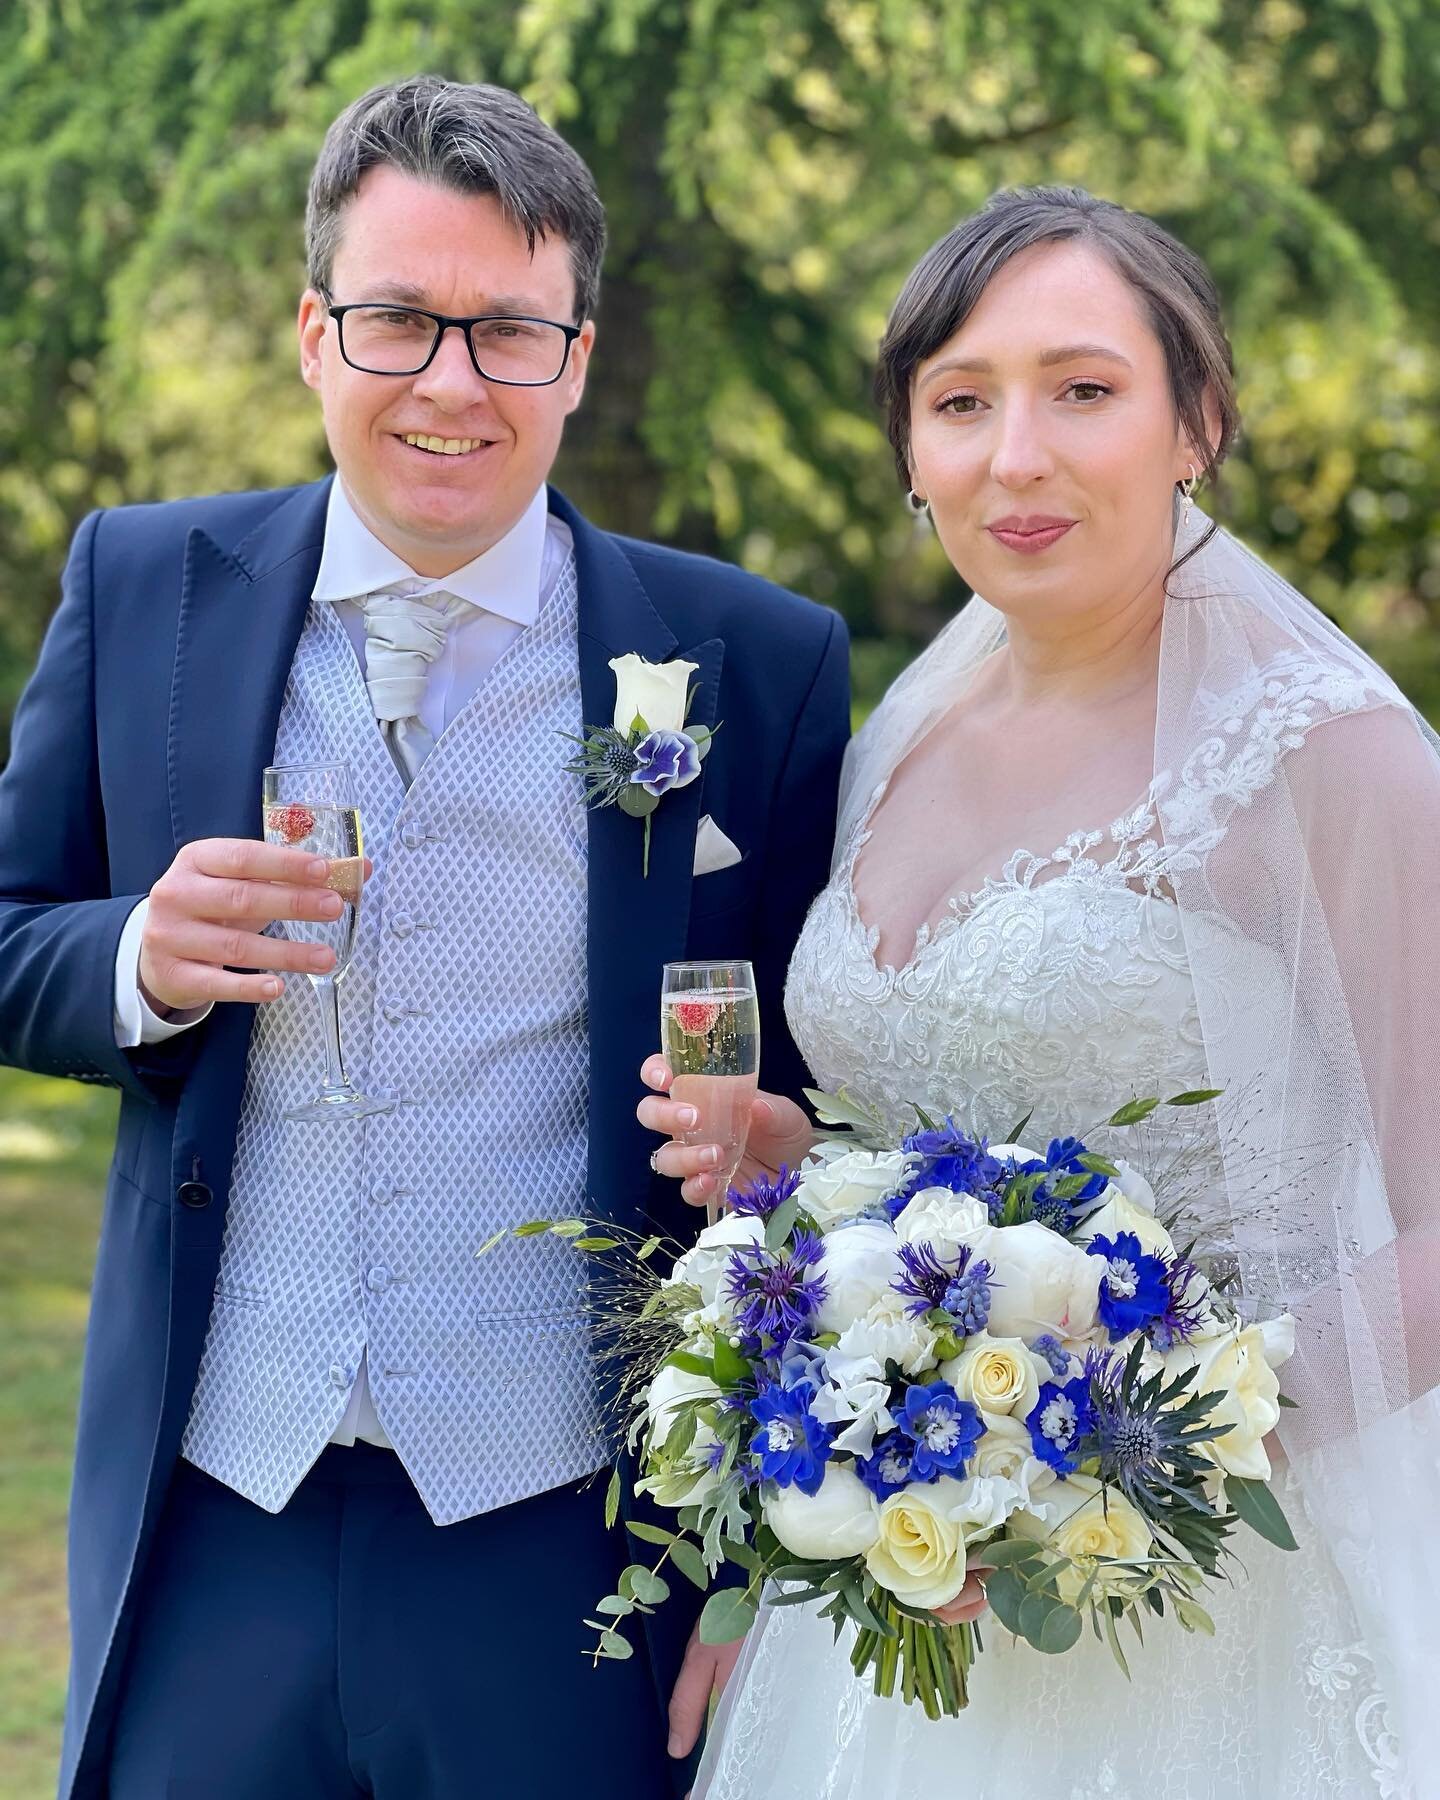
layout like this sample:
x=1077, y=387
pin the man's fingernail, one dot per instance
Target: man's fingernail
x=688, y=1116
x=274, y=988
x=674, y=1746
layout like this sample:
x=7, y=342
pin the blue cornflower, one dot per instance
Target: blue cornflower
x=925, y=1279
x=791, y=1446
x=951, y=1159
x=762, y=1197
x=888, y=1467
x=774, y=1293
x=944, y=1429
x=1055, y=1353
x=1059, y=1419
x=1185, y=1312
x=1133, y=1290
x=958, y=1285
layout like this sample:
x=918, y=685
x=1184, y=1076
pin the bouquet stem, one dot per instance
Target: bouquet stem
x=931, y=1661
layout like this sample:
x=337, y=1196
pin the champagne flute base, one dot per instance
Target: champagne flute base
x=339, y=1103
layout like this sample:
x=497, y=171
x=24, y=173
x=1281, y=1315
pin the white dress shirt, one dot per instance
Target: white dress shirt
x=506, y=587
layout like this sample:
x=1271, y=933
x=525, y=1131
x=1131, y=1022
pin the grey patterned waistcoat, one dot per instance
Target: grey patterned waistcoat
x=466, y=997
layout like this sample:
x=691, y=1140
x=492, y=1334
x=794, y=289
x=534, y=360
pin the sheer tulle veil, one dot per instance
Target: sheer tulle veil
x=1299, y=796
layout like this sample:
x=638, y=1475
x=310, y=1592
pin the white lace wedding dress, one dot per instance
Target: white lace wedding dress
x=1061, y=986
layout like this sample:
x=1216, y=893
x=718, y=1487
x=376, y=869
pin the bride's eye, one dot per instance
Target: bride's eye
x=1087, y=392
x=963, y=406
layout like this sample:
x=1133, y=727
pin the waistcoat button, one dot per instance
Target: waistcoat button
x=402, y=925
x=194, y=1194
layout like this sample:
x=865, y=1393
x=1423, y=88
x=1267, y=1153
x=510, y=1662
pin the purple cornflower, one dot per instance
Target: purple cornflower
x=774, y=1293
x=959, y=1286
x=762, y=1197
x=1059, y=1419
x=943, y=1428
x=925, y=1279
x=1184, y=1314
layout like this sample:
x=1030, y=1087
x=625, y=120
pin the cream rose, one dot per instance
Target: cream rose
x=919, y=1554
x=841, y=1186
x=859, y=1265
x=654, y=692
x=843, y=1519
x=1079, y=1519
x=942, y=1219
x=1241, y=1366
x=1042, y=1282
x=1001, y=1375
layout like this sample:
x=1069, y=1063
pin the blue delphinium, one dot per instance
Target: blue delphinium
x=791, y=1446
x=1054, y=1353
x=774, y=1293
x=949, y=1159
x=943, y=1428
x=1186, y=1307
x=958, y=1285
x=1133, y=1290
x=1059, y=1420
x=1061, y=1161
x=762, y=1197
x=888, y=1467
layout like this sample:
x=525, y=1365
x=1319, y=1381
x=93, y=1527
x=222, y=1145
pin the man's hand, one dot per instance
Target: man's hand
x=780, y=1136
x=207, y=913
x=705, y=1670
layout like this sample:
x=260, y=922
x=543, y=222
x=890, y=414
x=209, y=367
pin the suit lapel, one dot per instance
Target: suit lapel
x=635, y=924
x=241, y=614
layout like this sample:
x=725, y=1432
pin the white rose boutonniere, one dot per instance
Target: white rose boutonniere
x=638, y=759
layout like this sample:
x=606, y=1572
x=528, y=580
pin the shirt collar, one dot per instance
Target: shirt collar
x=504, y=580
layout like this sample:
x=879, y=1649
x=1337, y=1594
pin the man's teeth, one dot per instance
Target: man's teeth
x=444, y=446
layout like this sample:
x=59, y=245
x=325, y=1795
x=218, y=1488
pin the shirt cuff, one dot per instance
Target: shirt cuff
x=136, y=1022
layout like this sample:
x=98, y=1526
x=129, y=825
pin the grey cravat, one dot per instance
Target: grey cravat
x=404, y=634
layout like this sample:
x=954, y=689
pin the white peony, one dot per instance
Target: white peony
x=859, y=1265
x=855, y=1394
x=887, y=1332
x=840, y=1185
x=942, y=1219
x=670, y=1389
x=1001, y=1375
x=688, y=1482
x=1041, y=1282
x=1122, y=1213
x=843, y=1519
x=706, y=1265
x=658, y=693
x=1241, y=1366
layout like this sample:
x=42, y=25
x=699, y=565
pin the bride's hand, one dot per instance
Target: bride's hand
x=780, y=1136
x=968, y=1604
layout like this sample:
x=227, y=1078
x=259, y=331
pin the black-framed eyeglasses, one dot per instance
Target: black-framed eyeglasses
x=380, y=339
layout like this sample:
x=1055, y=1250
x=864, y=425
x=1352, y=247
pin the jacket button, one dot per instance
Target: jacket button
x=194, y=1194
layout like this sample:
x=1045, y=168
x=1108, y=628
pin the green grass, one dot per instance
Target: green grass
x=55, y=1139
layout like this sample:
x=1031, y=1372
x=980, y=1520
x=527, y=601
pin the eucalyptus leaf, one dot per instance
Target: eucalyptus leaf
x=1010, y=1551
x=1007, y=1593
x=613, y=1646
x=649, y=1588
x=650, y=1534
x=726, y=1617
x=688, y=1560
x=616, y=1604
x=781, y=1222
x=1061, y=1630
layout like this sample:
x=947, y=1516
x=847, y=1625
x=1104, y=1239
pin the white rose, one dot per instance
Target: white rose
x=1080, y=1519
x=859, y=1264
x=1041, y=1283
x=942, y=1219
x=840, y=1186
x=1121, y=1213
x=1006, y=1452
x=654, y=692
x=1241, y=1366
x=919, y=1554
x=706, y=1265
x=843, y=1519
x=887, y=1332
x=1001, y=1375
x=855, y=1394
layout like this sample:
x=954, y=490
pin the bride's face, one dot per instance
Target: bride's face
x=1044, y=436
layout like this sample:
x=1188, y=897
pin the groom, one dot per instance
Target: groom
x=333, y=1528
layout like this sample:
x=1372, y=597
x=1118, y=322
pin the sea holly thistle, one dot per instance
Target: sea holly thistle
x=634, y=765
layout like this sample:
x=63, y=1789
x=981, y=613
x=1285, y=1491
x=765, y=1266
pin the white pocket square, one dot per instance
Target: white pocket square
x=713, y=850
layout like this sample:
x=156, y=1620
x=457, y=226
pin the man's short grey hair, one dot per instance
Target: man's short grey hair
x=473, y=139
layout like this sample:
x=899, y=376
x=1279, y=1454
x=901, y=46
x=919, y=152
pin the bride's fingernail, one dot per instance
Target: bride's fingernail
x=688, y=1116
x=710, y=1156
x=765, y=1112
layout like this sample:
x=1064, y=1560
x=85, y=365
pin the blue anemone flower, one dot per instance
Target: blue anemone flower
x=1058, y=1421
x=1134, y=1290
x=791, y=1446
x=943, y=1428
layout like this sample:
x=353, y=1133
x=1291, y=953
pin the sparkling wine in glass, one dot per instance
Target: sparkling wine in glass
x=710, y=1032
x=312, y=807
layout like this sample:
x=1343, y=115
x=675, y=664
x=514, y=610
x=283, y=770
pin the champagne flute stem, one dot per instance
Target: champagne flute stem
x=327, y=993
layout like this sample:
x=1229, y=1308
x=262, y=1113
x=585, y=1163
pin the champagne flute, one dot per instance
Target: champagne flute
x=710, y=1030
x=312, y=807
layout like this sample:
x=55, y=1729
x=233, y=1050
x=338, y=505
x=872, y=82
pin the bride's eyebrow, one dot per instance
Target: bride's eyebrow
x=1047, y=359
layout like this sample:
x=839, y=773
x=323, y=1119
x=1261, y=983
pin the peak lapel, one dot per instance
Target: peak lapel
x=241, y=614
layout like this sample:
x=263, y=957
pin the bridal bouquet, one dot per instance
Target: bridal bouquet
x=903, y=1363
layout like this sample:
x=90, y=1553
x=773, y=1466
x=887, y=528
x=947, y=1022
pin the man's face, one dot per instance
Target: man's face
x=417, y=244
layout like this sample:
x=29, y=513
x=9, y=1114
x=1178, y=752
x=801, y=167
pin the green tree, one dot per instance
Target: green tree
x=771, y=170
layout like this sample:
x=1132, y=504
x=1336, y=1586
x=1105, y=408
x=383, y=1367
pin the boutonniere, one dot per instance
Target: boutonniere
x=634, y=762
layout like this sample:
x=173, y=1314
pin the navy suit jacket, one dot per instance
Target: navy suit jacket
x=146, y=726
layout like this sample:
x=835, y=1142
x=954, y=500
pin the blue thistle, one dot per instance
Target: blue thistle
x=1133, y=1291
x=774, y=1293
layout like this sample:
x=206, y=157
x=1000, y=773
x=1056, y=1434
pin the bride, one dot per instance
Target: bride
x=1140, y=820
